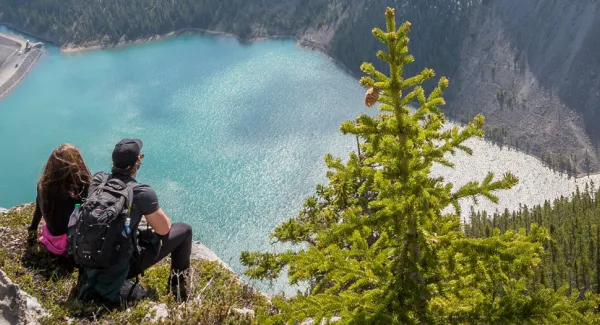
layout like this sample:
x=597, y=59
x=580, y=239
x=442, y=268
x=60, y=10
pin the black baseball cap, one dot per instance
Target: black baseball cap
x=126, y=152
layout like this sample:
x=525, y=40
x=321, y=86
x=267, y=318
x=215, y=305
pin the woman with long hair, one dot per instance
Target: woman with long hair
x=64, y=183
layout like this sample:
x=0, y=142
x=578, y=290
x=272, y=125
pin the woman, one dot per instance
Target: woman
x=64, y=183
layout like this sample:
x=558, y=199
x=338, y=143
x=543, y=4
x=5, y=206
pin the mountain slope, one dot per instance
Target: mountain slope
x=532, y=67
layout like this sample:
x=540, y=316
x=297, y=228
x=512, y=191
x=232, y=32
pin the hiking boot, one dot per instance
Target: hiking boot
x=178, y=285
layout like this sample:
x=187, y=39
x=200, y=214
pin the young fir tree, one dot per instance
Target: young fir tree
x=379, y=244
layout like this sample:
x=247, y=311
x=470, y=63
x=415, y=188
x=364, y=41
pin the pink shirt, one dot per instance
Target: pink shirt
x=55, y=244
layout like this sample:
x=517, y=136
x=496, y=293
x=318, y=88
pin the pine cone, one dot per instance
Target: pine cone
x=371, y=96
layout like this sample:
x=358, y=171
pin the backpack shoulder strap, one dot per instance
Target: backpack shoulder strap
x=128, y=188
x=98, y=184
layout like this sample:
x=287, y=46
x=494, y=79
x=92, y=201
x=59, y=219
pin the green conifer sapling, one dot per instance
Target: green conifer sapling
x=382, y=242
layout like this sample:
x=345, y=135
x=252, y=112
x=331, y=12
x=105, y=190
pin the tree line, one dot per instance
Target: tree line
x=439, y=24
x=76, y=21
x=567, y=164
x=571, y=256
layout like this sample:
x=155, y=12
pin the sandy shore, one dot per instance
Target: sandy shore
x=98, y=45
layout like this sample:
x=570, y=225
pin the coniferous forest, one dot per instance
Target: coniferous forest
x=571, y=257
x=438, y=23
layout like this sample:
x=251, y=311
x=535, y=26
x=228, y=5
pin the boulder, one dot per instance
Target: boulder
x=157, y=313
x=16, y=307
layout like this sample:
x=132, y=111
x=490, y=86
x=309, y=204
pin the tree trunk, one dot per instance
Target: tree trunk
x=597, y=260
x=553, y=252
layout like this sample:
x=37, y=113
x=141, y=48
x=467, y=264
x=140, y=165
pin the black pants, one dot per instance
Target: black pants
x=178, y=243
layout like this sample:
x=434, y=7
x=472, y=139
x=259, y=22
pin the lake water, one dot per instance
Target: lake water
x=234, y=135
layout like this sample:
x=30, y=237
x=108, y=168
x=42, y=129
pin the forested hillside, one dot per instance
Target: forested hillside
x=530, y=66
x=572, y=254
x=435, y=39
x=76, y=22
x=339, y=27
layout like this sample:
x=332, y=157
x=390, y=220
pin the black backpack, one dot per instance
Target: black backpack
x=97, y=238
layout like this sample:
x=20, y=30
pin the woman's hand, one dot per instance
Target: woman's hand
x=32, y=236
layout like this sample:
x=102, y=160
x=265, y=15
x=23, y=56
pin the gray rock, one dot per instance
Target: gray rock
x=244, y=311
x=310, y=321
x=11, y=306
x=16, y=307
x=201, y=252
x=33, y=304
x=34, y=308
x=160, y=312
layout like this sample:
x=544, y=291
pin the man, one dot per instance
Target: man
x=166, y=238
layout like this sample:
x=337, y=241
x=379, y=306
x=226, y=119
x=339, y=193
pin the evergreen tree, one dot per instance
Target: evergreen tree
x=382, y=242
x=572, y=255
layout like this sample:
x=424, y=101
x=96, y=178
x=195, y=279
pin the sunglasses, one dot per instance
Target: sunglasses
x=142, y=156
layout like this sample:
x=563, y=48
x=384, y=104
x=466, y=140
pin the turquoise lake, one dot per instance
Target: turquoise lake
x=234, y=135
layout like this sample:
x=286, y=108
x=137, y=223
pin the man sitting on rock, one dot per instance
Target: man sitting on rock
x=164, y=238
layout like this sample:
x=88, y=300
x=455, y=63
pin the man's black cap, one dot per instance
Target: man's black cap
x=126, y=153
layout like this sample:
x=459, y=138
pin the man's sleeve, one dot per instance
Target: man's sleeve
x=148, y=201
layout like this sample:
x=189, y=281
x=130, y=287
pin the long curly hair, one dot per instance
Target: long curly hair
x=65, y=174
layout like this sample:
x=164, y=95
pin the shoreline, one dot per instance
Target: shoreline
x=98, y=45
x=24, y=32
x=24, y=62
x=300, y=42
x=509, y=147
